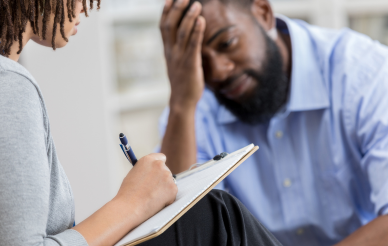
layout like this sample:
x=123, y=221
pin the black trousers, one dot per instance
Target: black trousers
x=218, y=219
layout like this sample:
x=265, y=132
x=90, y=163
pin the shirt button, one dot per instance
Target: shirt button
x=279, y=134
x=300, y=231
x=287, y=183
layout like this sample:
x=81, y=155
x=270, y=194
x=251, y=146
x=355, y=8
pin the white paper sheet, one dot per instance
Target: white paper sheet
x=189, y=188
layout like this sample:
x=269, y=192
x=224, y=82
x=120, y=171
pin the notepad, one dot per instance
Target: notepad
x=191, y=189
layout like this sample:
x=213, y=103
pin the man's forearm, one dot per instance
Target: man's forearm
x=374, y=233
x=182, y=49
x=179, y=143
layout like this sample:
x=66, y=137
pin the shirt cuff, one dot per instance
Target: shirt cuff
x=69, y=238
x=384, y=210
x=381, y=200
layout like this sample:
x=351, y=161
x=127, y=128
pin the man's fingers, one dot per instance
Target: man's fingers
x=166, y=10
x=186, y=28
x=170, y=24
x=195, y=42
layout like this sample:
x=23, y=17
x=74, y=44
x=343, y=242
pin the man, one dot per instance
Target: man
x=314, y=100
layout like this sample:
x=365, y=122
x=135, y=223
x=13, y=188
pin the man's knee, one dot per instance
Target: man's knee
x=221, y=196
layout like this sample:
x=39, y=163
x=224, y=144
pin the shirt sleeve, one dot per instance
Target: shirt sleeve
x=384, y=211
x=202, y=139
x=25, y=170
x=368, y=114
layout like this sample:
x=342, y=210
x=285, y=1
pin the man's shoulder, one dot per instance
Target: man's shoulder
x=355, y=69
x=345, y=46
x=358, y=64
x=357, y=50
x=349, y=59
x=349, y=51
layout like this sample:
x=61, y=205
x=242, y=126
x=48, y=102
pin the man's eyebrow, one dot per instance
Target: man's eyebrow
x=218, y=33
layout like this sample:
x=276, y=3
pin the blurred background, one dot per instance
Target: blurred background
x=111, y=78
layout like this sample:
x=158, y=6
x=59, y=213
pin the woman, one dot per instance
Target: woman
x=36, y=202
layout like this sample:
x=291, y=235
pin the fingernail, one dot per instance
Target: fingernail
x=198, y=22
x=193, y=7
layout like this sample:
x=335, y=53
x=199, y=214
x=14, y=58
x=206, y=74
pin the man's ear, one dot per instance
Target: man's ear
x=262, y=11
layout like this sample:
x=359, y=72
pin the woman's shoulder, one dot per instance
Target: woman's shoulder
x=17, y=85
x=20, y=97
x=10, y=66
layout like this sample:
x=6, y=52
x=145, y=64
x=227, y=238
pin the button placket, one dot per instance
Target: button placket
x=286, y=171
x=300, y=232
x=287, y=183
x=279, y=134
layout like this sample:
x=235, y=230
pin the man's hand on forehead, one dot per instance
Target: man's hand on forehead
x=182, y=37
x=182, y=46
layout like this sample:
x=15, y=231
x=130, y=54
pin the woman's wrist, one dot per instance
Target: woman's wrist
x=132, y=210
x=111, y=222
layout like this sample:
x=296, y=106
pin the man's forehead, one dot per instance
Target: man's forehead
x=219, y=15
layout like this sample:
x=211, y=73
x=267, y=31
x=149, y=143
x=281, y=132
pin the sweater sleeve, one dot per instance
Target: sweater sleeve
x=24, y=168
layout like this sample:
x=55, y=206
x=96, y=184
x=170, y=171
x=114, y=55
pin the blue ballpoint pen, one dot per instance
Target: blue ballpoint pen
x=128, y=152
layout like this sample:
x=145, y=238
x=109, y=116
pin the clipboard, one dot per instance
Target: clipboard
x=159, y=231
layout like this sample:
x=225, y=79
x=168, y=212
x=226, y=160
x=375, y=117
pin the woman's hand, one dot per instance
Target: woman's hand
x=147, y=189
x=182, y=48
x=149, y=186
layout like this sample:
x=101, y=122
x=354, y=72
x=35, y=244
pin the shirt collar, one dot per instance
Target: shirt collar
x=308, y=90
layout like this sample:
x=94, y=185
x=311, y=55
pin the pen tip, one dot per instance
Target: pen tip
x=122, y=135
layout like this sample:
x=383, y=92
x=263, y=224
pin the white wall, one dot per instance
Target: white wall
x=71, y=80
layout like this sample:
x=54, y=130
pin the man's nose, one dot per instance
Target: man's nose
x=220, y=67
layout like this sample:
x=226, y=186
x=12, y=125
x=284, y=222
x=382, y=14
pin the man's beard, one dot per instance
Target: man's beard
x=268, y=96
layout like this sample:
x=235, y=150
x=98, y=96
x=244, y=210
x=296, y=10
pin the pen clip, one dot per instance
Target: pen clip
x=124, y=149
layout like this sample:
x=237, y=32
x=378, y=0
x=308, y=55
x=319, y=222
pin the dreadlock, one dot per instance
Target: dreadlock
x=15, y=14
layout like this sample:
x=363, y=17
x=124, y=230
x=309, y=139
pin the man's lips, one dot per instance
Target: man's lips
x=238, y=87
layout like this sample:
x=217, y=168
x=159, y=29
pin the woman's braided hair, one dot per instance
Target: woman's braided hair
x=15, y=14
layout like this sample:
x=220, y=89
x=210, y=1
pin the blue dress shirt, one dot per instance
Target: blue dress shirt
x=322, y=168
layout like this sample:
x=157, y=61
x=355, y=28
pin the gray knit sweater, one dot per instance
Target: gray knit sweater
x=36, y=201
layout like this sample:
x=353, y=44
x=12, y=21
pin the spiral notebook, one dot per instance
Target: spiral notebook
x=191, y=189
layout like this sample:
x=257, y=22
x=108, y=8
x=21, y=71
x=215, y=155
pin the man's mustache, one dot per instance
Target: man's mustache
x=232, y=79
